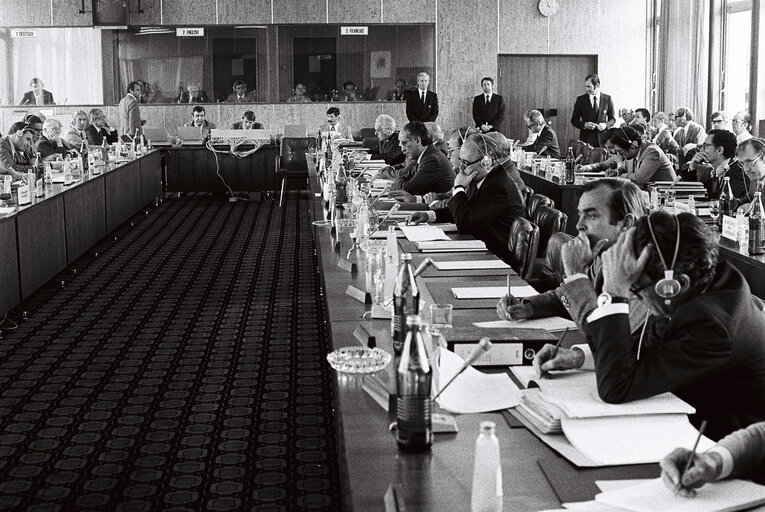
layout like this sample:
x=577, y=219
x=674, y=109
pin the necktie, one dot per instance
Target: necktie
x=423, y=97
x=487, y=99
x=595, y=104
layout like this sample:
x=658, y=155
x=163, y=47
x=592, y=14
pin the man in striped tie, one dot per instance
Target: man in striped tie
x=240, y=94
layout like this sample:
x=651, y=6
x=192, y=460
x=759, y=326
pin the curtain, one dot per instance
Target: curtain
x=683, y=65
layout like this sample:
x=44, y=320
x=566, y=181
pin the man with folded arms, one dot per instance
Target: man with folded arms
x=13, y=149
x=703, y=339
x=430, y=170
x=389, y=149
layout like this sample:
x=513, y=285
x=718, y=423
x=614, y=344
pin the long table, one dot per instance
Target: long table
x=41, y=239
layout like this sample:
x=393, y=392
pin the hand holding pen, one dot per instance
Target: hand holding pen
x=684, y=470
x=556, y=357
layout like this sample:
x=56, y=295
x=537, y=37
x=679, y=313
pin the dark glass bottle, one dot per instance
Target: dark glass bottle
x=757, y=226
x=414, y=431
x=726, y=200
x=570, y=164
x=406, y=301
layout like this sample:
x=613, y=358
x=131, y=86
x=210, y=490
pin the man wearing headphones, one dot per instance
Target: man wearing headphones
x=718, y=152
x=751, y=156
x=648, y=161
x=484, y=199
x=703, y=341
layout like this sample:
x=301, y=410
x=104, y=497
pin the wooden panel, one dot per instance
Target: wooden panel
x=240, y=12
x=354, y=11
x=183, y=12
x=752, y=267
x=123, y=194
x=10, y=291
x=194, y=170
x=85, y=219
x=151, y=14
x=300, y=11
x=42, y=243
x=67, y=13
x=151, y=177
x=524, y=30
x=409, y=11
x=567, y=33
x=32, y=13
x=186, y=170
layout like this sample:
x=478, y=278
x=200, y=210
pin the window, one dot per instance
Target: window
x=736, y=53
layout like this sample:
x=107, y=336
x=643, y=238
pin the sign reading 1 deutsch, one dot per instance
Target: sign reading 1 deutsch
x=190, y=32
x=17, y=33
x=354, y=31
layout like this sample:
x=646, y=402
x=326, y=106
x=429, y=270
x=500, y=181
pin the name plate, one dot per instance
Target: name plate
x=190, y=32
x=354, y=31
x=347, y=265
x=729, y=228
x=24, y=196
x=20, y=33
x=681, y=207
x=360, y=295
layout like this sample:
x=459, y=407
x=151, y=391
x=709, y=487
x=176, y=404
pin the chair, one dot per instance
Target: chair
x=580, y=148
x=551, y=274
x=534, y=202
x=295, y=130
x=597, y=155
x=522, y=244
x=675, y=162
x=527, y=192
x=366, y=132
x=291, y=162
x=371, y=143
x=549, y=220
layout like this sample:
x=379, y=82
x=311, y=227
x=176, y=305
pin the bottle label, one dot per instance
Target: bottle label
x=413, y=421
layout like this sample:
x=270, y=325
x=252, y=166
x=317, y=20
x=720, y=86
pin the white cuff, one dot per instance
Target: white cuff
x=430, y=204
x=431, y=216
x=574, y=277
x=727, y=460
x=457, y=189
x=419, y=199
x=608, y=310
x=589, y=361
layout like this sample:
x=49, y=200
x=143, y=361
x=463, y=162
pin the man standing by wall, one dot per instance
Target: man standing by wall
x=593, y=112
x=422, y=104
x=488, y=108
x=130, y=112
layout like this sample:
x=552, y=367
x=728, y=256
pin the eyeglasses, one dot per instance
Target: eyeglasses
x=750, y=163
x=707, y=145
x=715, y=121
x=464, y=165
x=530, y=125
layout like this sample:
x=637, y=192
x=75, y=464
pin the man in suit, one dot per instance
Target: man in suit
x=198, y=120
x=75, y=134
x=398, y=93
x=488, y=108
x=130, y=112
x=389, y=148
x=336, y=126
x=38, y=95
x=247, y=122
x=751, y=156
x=99, y=129
x=240, y=94
x=430, y=170
x=193, y=94
x=663, y=137
x=593, y=112
x=546, y=137
x=740, y=126
x=422, y=104
x=689, y=136
x=716, y=161
x=13, y=150
x=484, y=201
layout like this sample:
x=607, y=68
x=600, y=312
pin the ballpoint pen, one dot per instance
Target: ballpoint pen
x=555, y=351
x=689, y=462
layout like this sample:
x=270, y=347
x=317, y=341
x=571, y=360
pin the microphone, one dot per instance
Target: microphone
x=483, y=346
x=422, y=266
x=393, y=209
x=25, y=102
x=384, y=191
x=65, y=100
x=544, y=148
x=578, y=158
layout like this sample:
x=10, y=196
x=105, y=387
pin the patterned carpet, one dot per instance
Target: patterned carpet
x=182, y=368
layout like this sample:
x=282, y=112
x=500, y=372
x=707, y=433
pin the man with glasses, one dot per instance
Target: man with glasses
x=75, y=134
x=546, y=138
x=750, y=154
x=13, y=152
x=703, y=341
x=716, y=161
x=740, y=126
x=484, y=199
x=430, y=170
x=719, y=121
x=99, y=129
x=688, y=136
x=389, y=148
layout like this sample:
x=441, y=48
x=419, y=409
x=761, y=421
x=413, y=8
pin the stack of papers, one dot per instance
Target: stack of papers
x=423, y=233
x=542, y=414
x=492, y=292
x=471, y=265
x=550, y=323
x=452, y=246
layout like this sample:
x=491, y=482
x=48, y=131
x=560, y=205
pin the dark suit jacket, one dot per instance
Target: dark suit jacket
x=96, y=137
x=546, y=137
x=416, y=111
x=248, y=98
x=739, y=182
x=10, y=158
x=47, y=147
x=433, y=174
x=584, y=112
x=487, y=212
x=492, y=114
x=238, y=126
x=199, y=98
x=29, y=98
x=390, y=151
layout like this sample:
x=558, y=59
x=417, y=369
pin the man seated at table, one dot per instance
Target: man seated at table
x=13, y=152
x=75, y=135
x=607, y=208
x=429, y=171
x=336, y=126
x=751, y=155
x=398, y=93
x=198, y=120
x=240, y=94
x=437, y=137
x=247, y=122
x=99, y=129
x=51, y=146
x=506, y=148
x=389, y=148
x=740, y=455
x=193, y=94
x=704, y=339
x=484, y=199
x=546, y=138
x=716, y=161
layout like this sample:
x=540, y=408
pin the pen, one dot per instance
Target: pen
x=508, y=287
x=555, y=351
x=689, y=462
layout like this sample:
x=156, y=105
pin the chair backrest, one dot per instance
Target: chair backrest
x=597, y=155
x=522, y=244
x=534, y=202
x=372, y=143
x=552, y=272
x=292, y=153
x=580, y=148
x=675, y=161
x=527, y=192
x=295, y=130
x=549, y=220
x=366, y=132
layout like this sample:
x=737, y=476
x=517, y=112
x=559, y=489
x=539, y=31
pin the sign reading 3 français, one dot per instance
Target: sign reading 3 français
x=190, y=32
x=354, y=31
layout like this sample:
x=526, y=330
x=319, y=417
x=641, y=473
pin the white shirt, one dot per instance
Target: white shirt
x=596, y=95
x=744, y=135
x=421, y=92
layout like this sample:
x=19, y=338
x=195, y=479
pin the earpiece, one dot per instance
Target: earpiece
x=486, y=160
x=669, y=287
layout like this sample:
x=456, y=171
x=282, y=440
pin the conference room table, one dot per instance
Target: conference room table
x=441, y=478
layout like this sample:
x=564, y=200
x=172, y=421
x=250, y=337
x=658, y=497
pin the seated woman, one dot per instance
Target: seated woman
x=51, y=146
x=299, y=96
x=641, y=161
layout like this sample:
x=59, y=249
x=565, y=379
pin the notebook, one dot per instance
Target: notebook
x=190, y=135
x=157, y=136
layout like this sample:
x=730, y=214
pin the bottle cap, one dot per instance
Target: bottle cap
x=488, y=426
x=416, y=320
x=391, y=228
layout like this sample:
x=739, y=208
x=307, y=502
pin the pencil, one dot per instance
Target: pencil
x=508, y=287
x=689, y=462
x=555, y=350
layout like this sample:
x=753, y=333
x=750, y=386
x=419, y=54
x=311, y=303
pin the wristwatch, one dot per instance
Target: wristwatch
x=607, y=298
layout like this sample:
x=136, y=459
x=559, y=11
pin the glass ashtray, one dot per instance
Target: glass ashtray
x=374, y=246
x=345, y=223
x=358, y=359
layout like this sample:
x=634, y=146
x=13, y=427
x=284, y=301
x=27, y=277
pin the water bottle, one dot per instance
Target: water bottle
x=757, y=226
x=84, y=155
x=406, y=301
x=391, y=254
x=487, y=472
x=692, y=205
x=570, y=163
x=726, y=200
x=742, y=228
x=414, y=431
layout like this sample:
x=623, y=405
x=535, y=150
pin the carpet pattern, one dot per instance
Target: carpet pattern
x=183, y=368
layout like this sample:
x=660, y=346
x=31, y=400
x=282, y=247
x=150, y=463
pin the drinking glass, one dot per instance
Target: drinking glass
x=440, y=317
x=714, y=211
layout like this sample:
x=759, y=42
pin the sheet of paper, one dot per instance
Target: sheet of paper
x=451, y=245
x=7, y=209
x=448, y=227
x=590, y=506
x=615, y=485
x=725, y=495
x=423, y=233
x=643, y=439
x=493, y=292
x=550, y=323
x=473, y=391
x=524, y=374
x=471, y=265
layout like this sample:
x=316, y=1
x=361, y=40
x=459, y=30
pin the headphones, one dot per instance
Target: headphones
x=625, y=137
x=669, y=287
x=486, y=161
